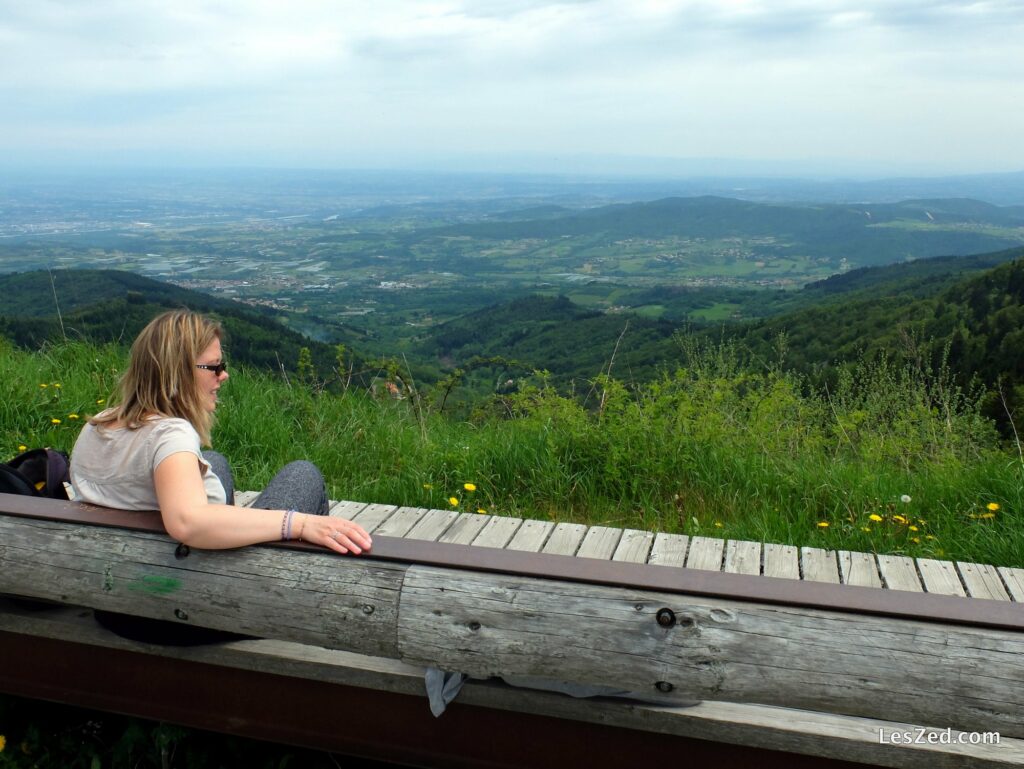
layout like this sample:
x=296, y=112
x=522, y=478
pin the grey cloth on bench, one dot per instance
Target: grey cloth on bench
x=443, y=687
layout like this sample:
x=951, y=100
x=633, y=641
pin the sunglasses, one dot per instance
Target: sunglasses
x=216, y=368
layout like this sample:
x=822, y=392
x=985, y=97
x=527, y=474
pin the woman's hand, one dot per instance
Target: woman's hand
x=340, y=535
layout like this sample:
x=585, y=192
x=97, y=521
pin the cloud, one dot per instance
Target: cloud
x=737, y=78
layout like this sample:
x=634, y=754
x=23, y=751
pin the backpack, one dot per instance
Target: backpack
x=37, y=473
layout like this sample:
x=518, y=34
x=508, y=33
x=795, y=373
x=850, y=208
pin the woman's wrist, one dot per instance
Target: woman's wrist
x=286, y=525
x=302, y=525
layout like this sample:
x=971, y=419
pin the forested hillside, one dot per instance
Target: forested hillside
x=112, y=305
x=868, y=234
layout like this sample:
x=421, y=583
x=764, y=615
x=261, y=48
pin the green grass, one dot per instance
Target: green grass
x=716, y=449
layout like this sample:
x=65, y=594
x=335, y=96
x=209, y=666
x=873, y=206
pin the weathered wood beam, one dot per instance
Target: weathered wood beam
x=778, y=729
x=661, y=645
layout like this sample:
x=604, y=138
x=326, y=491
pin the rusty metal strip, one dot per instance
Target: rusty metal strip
x=355, y=721
x=672, y=579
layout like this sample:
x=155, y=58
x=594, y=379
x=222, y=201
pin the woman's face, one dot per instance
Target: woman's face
x=209, y=381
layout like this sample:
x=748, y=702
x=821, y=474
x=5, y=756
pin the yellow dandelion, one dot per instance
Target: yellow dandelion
x=929, y=536
x=22, y=447
x=916, y=540
x=72, y=416
x=993, y=506
x=481, y=511
x=3, y=743
x=875, y=517
x=55, y=421
x=718, y=524
x=43, y=385
x=987, y=515
x=913, y=528
x=899, y=519
x=469, y=486
x=453, y=501
x=822, y=524
x=100, y=401
x=57, y=385
x=428, y=486
x=865, y=528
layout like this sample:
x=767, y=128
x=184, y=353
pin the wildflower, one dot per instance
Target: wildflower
x=992, y=506
x=718, y=524
x=469, y=486
x=929, y=536
x=905, y=499
x=3, y=743
x=913, y=528
x=55, y=421
x=22, y=447
x=453, y=501
x=57, y=385
x=72, y=416
x=987, y=515
x=916, y=540
x=899, y=519
x=875, y=517
x=481, y=511
x=865, y=528
x=428, y=486
x=43, y=385
x=100, y=401
x=822, y=524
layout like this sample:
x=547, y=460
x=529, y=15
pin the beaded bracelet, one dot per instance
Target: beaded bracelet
x=286, y=525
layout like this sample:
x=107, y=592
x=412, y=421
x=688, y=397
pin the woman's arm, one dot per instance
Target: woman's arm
x=190, y=519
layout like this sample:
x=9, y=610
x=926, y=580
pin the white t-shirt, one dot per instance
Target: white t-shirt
x=114, y=467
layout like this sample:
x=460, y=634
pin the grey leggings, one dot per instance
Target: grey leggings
x=297, y=486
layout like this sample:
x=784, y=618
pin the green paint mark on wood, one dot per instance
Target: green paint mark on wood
x=155, y=585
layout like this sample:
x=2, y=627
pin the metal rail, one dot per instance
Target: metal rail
x=670, y=579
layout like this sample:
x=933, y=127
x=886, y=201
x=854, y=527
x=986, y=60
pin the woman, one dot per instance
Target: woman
x=145, y=452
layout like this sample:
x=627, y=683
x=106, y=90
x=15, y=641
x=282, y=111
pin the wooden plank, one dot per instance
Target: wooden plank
x=599, y=542
x=634, y=546
x=819, y=565
x=742, y=557
x=465, y=529
x=783, y=729
x=497, y=532
x=432, y=525
x=1014, y=579
x=669, y=550
x=982, y=581
x=565, y=539
x=859, y=569
x=940, y=577
x=899, y=573
x=531, y=536
x=401, y=522
x=372, y=516
x=506, y=625
x=315, y=597
x=782, y=561
x=705, y=553
x=246, y=498
x=344, y=509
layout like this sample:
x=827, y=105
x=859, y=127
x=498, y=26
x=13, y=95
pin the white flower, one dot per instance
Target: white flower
x=905, y=499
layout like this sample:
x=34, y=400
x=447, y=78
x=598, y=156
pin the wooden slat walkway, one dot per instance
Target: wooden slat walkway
x=886, y=572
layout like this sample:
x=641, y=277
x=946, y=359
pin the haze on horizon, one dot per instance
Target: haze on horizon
x=647, y=86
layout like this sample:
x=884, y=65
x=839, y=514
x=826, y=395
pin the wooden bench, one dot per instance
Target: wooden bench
x=776, y=666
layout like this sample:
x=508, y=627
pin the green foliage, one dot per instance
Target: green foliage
x=721, y=446
x=44, y=735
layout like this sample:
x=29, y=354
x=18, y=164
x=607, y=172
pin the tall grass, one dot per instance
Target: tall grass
x=717, y=448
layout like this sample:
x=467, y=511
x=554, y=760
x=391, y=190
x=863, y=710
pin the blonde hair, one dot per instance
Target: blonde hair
x=161, y=377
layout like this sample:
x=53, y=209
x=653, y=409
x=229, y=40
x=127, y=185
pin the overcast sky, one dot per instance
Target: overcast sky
x=880, y=86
